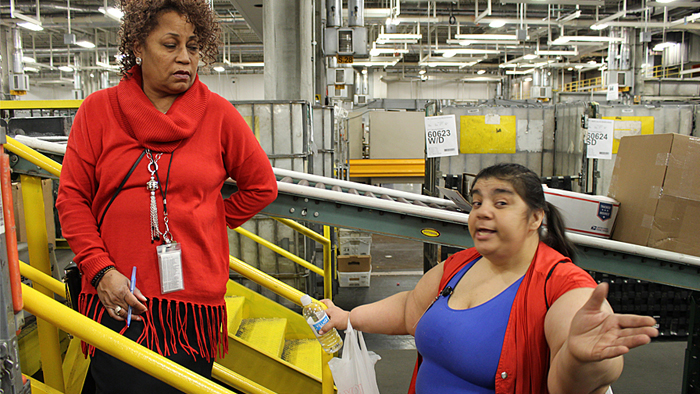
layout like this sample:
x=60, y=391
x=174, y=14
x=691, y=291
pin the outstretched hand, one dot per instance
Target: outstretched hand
x=597, y=334
x=338, y=318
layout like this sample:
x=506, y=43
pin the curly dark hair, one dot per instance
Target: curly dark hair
x=140, y=18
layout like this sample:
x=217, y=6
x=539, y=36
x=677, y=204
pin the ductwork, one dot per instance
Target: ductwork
x=334, y=13
x=356, y=13
x=17, y=64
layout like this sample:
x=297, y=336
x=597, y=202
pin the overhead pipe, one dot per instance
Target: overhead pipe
x=17, y=63
x=356, y=13
x=334, y=13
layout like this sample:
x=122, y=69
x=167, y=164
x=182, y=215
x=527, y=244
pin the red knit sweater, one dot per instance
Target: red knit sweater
x=210, y=142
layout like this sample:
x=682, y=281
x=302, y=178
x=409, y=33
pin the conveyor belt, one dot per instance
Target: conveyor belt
x=341, y=203
x=374, y=209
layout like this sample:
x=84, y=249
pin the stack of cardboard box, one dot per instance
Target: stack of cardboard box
x=354, y=262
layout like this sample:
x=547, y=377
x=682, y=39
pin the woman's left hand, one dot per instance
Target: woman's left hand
x=597, y=333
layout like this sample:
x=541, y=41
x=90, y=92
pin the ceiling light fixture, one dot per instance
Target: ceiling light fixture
x=481, y=72
x=30, y=26
x=497, y=23
x=219, y=69
x=477, y=37
x=570, y=16
x=556, y=53
x=421, y=72
x=67, y=69
x=111, y=12
x=27, y=59
x=85, y=44
x=599, y=26
x=31, y=69
x=662, y=46
x=530, y=56
x=449, y=54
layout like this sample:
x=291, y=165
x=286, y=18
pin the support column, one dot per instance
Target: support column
x=287, y=34
x=6, y=49
x=638, y=59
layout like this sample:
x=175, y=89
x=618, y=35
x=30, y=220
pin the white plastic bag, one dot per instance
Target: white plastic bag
x=354, y=372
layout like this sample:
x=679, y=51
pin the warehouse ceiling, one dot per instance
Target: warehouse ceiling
x=438, y=24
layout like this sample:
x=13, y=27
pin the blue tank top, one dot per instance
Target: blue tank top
x=461, y=348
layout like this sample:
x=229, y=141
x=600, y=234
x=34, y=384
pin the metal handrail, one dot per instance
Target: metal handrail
x=277, y=249
x=219, y=372
x=118, y=346
x=33, y=156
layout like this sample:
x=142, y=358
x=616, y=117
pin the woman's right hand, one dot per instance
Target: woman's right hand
x=114, y=292
x=338, y=318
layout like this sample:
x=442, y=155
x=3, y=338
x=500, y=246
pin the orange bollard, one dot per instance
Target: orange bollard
x=10, y=233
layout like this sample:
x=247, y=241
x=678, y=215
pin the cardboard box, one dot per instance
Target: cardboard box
x=657, y=181
x=583, y=213
x=18, y=205
x=354, y=279
x=354, y=263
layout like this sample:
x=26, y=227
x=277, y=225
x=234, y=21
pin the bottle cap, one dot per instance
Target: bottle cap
x=305, y=300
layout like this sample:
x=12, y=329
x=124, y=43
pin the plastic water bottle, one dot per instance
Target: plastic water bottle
x=317, y=318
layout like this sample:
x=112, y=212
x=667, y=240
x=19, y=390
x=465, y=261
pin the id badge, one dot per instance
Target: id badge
x=170, y=264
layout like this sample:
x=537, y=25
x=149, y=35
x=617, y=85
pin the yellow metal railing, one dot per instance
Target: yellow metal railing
x=40, y=104
x=585, y=85
x=219, y=372
x=33, y=197
x=116, y=345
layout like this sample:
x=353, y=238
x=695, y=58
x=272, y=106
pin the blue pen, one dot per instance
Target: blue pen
x=133, y=286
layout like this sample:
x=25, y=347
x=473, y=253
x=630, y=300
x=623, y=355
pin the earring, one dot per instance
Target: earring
x=138, y=61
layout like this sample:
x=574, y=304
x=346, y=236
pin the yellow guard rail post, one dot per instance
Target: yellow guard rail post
x=38, y=245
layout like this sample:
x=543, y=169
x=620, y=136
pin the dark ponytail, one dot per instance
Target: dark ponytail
x=529, y=187
x=555, y=236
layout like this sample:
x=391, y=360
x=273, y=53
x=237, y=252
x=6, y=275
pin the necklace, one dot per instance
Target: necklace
x=152, y=185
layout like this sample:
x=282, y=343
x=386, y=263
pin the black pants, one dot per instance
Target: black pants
x=113, y=376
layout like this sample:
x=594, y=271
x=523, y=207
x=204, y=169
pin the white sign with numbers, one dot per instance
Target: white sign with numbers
x=441, y=136
x=599, y=138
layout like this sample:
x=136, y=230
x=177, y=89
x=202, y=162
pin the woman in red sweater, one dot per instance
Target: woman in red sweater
x=159, y=133
x=512, y=314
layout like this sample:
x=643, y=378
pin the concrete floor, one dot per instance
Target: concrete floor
x=656, y=368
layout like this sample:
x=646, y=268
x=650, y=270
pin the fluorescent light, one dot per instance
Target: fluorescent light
x=469, y=51
x=599, y=26
x=67, y=69
x=556, y=53
x=30, y=26
x=530, y=56
x=528, y=79
x=662, y=46
x=592, y=62
x=85, y=44
x=497, y=23
x=570, y=69
x=519, y=72
x=486, y=37
x=31, y=69
x=421, y=72
x=27, y=59
x=566, y=39
x=570, y=17
x=249, y=64
x=378, y=51
x=219, y=69
x=579, y=67
x=111, y=12
x=480, y=72
x=448, y=54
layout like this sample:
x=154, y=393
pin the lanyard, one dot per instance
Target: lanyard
x=152, y=186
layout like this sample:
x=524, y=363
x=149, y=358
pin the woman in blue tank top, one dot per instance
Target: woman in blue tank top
x=512, y=314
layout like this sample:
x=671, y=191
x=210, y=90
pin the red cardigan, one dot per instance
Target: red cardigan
x=209, y=142
x=524, y=361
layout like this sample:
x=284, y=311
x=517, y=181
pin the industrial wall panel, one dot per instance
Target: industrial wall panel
x=534, y=138
x=396, y=135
